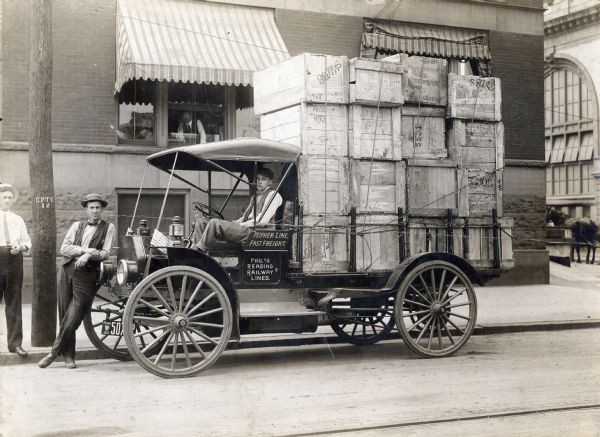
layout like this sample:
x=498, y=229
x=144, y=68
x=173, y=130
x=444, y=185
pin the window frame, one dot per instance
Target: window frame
x=161, y=116
x=153, y=192
x=576, y=129
x=134, y=141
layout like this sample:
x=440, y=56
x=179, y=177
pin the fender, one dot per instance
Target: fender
x=395, y=280
x=189, y=257
x=410, y=263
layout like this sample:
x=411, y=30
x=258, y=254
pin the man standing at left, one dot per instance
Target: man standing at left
x=87, y=243
x=14, y=240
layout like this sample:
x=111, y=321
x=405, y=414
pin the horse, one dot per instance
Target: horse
x=555, y=217
x=585, y=233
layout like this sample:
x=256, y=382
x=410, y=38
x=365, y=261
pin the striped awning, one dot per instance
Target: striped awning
x=193, y=41
x=423, y=39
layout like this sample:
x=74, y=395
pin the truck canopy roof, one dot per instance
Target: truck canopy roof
x=233, y=155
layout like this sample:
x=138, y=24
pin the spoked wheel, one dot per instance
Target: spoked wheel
x=189, y=313
x=436, y=309
x=104, y=323
x=363, y=321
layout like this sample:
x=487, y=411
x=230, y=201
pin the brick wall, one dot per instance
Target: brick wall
x=319, y=33
x=517, y=60
x=83, y=36
x=15, y=40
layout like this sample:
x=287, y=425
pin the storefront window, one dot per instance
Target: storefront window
x=136, y=113
x=196, y=113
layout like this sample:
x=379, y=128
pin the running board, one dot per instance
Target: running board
x=276, y=309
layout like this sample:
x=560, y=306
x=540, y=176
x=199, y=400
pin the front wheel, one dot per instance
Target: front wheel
x=189, y=313
x=436, y=309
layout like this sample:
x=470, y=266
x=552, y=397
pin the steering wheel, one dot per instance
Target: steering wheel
x=206, y=210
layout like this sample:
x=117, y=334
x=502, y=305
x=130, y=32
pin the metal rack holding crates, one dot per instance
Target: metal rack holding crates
x=480, y=240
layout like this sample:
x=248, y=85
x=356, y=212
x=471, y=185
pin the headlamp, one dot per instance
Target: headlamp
x=127, y=272
x=176, y=231
x=107, y=271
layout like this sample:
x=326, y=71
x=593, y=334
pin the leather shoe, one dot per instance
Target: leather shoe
x=47, y=360
x=70, y=363
x=19, y=351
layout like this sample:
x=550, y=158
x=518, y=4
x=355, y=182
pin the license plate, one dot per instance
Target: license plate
x=114, y=327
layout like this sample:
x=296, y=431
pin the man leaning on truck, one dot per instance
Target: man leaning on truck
x=87, y=243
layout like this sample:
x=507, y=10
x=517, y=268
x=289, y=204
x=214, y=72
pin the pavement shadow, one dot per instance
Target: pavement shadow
x=324, y=353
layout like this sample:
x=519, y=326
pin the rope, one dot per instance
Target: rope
x=418, y=103
x=325, y=140
x=464, y=162
x=372, y=153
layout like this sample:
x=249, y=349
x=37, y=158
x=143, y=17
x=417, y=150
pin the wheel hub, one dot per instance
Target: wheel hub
x=179, y=321
x=438, y=309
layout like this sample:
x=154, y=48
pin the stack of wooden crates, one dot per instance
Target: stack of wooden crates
x=375, y=137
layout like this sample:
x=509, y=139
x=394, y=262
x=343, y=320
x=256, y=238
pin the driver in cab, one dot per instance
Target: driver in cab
x=208, y=231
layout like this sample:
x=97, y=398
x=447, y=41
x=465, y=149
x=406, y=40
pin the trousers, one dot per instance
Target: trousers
x=76, y=291
x=11, y=282
x=207, y=232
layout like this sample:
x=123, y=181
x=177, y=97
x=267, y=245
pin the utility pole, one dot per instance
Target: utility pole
x=43, y=324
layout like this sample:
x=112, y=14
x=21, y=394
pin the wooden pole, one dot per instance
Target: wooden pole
x=43, y=323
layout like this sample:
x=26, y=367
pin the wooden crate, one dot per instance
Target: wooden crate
x=478, y=147
x=323, y=185
x=377, y=186
x=376, y=82
x=433, y=187
x=426, y=79
x=304, y=78
x=377, y=242
x=482, y=190
x=423, y=132
x=375, y=132
x=474, y=97
x=325, y=243
x=481, y=245
x=318, y=129
x=430, y=234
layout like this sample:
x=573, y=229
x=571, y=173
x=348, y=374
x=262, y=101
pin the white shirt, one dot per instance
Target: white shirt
x=16, y=230
x=267, y=213
x=71, y=250
x=184, y=137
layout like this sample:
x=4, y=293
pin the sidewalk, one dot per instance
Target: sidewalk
x=571, y=301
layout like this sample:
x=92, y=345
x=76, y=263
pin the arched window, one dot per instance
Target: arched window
x=570, y=120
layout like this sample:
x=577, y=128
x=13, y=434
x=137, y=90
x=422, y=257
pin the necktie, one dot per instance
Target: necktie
x=5, y=227
x=92, y=223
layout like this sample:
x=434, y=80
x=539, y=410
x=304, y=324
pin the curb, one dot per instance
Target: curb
x=8, y=359
x=562, y=325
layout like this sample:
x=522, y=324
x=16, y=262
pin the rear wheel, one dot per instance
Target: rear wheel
x=436, y=309
x=363, y=321
x=189, y=313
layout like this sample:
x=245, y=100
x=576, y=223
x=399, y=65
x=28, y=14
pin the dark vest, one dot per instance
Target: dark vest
x=97, y=241
x=260, y=204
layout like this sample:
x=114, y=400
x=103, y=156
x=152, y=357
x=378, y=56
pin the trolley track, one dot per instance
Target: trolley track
x=507, y=414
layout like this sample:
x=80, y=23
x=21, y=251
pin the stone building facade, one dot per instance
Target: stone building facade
x=101, y=139
x=572, y=84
